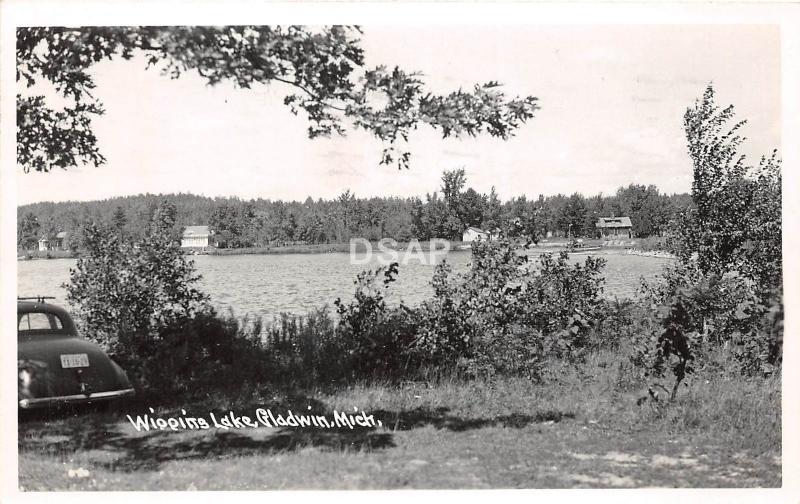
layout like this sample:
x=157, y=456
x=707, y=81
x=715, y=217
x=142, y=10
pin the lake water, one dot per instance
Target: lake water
x=266, y=285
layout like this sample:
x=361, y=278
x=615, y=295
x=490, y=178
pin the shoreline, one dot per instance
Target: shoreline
x=344, y=248
x=323, y=248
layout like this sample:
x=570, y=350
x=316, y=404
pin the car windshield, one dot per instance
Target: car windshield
x=39, y=322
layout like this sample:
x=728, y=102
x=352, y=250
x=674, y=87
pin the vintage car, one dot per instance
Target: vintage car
x=56, y=366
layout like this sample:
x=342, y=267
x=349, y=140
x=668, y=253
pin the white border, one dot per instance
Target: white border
x=21, y=13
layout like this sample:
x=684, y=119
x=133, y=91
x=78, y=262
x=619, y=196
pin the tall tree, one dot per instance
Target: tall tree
x=28, y=231
x=453, y=182
x=119, y=220
x=574, y=216
x=470, y=208
x=736, y=220
x=492, y=211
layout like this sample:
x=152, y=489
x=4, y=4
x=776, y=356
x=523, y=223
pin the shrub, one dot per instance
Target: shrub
x=126, y=293
x=195, y=355
x=136, y=298
x=303, y=348
x=758, y=337
x=696, y=314
x=564, y=299
x=508, y=314
x=735, y=223
x=372, y=338
x=619, y=322
x=726, y=289
x=443, y=334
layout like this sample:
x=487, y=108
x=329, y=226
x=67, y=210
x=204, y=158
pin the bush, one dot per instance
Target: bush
x=126, y=293
x=303, y=348
x=735, y=223
x=667, y=243
x=195, y=355
x=374, y=339
x=619, y=322
x=695, y=315
x=758, y=337
x=138, y=301
x=726, y=291
x=507, y=314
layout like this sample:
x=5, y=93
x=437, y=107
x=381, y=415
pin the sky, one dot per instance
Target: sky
x=612, y=102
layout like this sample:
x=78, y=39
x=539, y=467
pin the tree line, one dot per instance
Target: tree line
x=445, y=213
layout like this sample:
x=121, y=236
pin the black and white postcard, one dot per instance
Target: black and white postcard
x=269, y=247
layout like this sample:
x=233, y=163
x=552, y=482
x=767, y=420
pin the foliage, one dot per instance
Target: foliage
x=194, y=355
x=265, y=223
x=725, y=294
x=119, y=220
x=303, y=349
x=374, y=339
x=619, y=323
x=693, y=316
x=125, y=292
x=233, y=224
x=735, y=223
x=324, y=67
x=28, y=231
x=758, y=337
x=507, y=314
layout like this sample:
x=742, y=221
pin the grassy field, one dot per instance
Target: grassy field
x=583, y=428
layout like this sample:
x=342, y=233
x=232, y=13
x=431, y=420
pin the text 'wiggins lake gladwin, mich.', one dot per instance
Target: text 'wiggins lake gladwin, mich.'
x=262, y=418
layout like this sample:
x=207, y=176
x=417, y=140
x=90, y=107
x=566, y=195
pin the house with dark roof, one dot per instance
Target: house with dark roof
x=196, y=237
x=614, y=227
x=58, y=242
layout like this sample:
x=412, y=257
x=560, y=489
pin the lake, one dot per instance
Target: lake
x=266, y=285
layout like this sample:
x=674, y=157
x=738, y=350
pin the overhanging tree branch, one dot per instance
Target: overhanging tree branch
x=321, y=63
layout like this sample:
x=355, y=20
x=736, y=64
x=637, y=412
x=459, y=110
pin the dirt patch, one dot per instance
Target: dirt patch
x=622, y=458
x=603, y=480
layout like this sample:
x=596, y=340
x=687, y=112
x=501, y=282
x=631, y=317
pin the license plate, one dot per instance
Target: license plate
x=74, y=360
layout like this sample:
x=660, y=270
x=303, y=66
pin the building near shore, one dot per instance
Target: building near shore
x=472, y=234
x=196, y=237
x=58, y=242
x=614, y=227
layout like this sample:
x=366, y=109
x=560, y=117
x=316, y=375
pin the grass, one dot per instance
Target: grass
x=582, y=428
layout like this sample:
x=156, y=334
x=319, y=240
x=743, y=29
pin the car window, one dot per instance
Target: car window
x=38, y=321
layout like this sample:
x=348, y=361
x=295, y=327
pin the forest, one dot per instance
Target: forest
x=444, y=213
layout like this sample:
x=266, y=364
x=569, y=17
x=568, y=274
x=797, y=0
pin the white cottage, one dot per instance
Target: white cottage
x=196, y=237
x=472, y=233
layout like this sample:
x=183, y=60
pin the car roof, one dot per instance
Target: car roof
x=68, y=324
x=36, y=307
